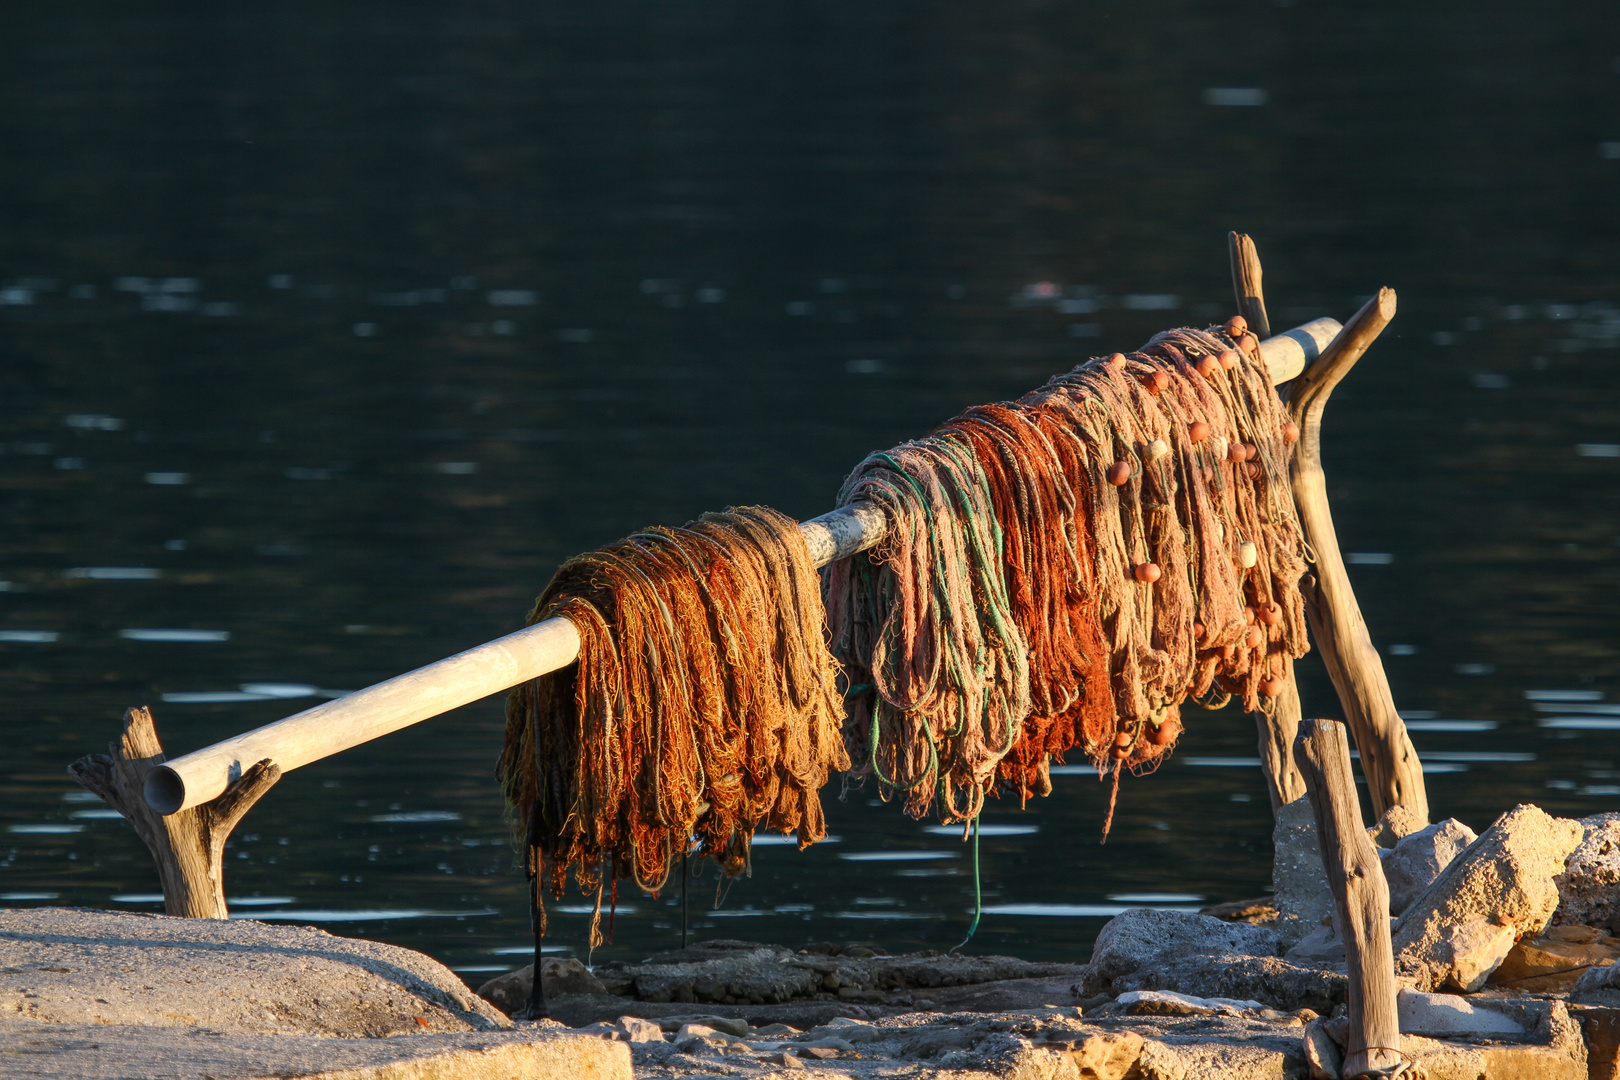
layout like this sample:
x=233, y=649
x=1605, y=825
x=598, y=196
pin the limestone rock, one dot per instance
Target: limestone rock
x=1500, y=889
x=1445, y=1016
x=1142, y=938
x=510, y=992
x=636, y=1030
x=1417, y=859
x=1322, y=947
x=1552, y=962
x=1267, y=979
x=1397, y=824
x=1599, y=986
x=82, y=966
x=1589, y=887
x=1299, y=884
x=1107, y=1055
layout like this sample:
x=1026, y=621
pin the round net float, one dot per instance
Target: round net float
x=1249, y=616
x=1248, y=554
x=1117, y=360
x=1119, y=472
x=1165, y=732
x=1272, y=687
x=1255, y=638
x=1157, y=449
x=1197, y=431
x=1156, y=381
x=1290, y=432
x=1209, y=367
x=1270, y=614
x=1236, y=327
x=1147, y=572
x=1237, y=452
x=1228, y=359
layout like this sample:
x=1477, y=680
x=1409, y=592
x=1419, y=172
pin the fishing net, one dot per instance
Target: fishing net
x=703, y=707
x=1064, y=571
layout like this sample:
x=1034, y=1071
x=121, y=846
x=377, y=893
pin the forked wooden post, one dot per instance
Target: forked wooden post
x=1390, y=762
x=1251, y=298
x=189, y=847
x=1360, y=897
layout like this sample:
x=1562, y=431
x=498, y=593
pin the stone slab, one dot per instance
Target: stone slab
x=31, y=1050
x=85, y=966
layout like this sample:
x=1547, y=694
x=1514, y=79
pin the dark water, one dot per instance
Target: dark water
x=343, y=328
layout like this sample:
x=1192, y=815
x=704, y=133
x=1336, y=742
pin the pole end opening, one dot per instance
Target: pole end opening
x=165, y=791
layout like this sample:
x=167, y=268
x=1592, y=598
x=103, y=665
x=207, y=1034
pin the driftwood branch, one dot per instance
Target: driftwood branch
x=1360, y=897
x=1251, y=298
x=1394, y=775
x=189, y=846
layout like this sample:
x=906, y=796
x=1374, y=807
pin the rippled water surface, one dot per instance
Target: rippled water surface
x=325, y=335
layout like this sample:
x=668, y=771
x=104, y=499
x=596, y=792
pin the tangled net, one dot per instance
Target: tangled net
x=704, y=704
x=1065, y=570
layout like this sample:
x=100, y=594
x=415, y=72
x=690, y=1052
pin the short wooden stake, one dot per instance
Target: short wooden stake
x=1251, y=298
x=189, y=847
x=1277, y=730
x=1360, y=897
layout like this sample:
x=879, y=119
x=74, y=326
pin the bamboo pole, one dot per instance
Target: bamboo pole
x=330, y=728
x=1394, y=775
x=1360, y=897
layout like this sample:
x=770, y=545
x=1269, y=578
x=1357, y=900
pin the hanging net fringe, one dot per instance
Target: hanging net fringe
x=1023, y=604
x=703, y=707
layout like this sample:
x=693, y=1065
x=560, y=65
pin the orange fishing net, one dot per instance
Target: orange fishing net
x=704, y=704
x=1063, y=571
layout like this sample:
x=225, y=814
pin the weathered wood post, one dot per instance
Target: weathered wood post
x=1277, y=727
x=188, y=846
x=1390, y=762
x=1360, y=897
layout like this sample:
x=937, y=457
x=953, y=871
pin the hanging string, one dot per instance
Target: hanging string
x=978, y=892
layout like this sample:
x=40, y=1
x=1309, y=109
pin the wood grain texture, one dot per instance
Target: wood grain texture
x=1360, y=896
x=189, y=846
x=1394, y=774
x=1251, y=298
x=1277, y=731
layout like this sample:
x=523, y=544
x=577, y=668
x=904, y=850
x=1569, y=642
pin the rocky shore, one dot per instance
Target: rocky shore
x=1505, y=945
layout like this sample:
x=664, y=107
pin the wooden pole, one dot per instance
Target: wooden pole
x=1360, y=897
x=1394, y=775
x=189, y=847
x=335, y=726
x=1251, y=298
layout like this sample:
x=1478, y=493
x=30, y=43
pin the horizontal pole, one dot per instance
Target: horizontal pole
x=430, y=691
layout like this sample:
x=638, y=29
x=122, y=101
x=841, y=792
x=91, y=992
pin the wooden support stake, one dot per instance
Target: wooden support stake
x=1394, y=775
x=1360, y=897
x=1277, y=730
x=189, y=847
x=1251, y=298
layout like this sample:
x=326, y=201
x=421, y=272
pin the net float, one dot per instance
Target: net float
x=1157, y=449
x=1156, y=381
x=1237, y=452
x=1123, y=739
x=1254, y=469
x=1117, y=360
x=1249, y=615
x=1228, y=359
x=1165, y=733
x=1198, y=631
x=1197, y=431
x=1236, y=327
x=1209, y=367
x=1218, y=445
x=1272, y=687
x=1119, y=472
x=1255, y=638
x=1248, y=554
x=1271, y=614
x=1147, y=572
x=1290, y=432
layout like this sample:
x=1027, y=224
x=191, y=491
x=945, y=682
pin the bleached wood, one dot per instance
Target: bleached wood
x=1360, y=896
x=1394, y=774
x=189, y=846
x=1277, y=731
x=487, y=669
x=1251, y=298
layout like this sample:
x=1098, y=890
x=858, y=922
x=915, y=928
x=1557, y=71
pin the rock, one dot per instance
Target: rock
x=637, y=1030
x=1397, y=823
x=728, y=1024
x=1299, y=884
x=1500, y=889
x=1108, y=1055
x=30, y=1050
x=1445, y=1016
x=1589, y=887
x=1168, y=1003
x=1322, y=1053
x=510, y=992
x=1259, y=911
x=82, y=966
x=1320, y=948
x=786, y=1060
x=1008, y=995
x=1267, y=979
x=1417, y=859
x=1142, y=937
x=821, y=1053
x=1552, y=962
x=1598, y=986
